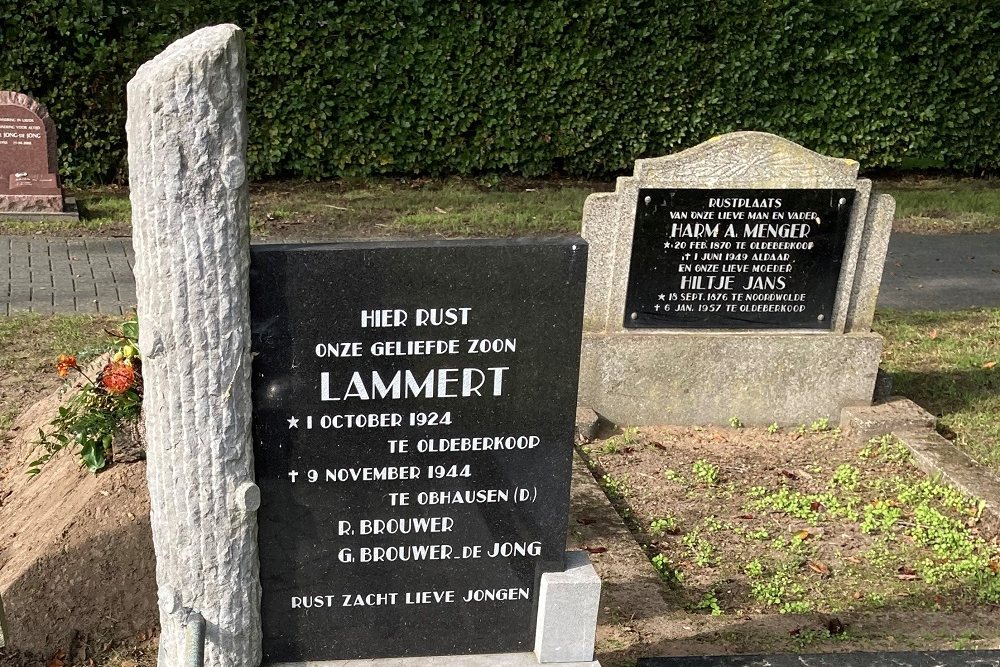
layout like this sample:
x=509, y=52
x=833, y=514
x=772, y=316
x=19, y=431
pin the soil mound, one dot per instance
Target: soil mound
x=76, y=553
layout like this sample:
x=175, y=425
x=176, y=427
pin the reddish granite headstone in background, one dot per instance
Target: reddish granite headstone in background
x=29, y=175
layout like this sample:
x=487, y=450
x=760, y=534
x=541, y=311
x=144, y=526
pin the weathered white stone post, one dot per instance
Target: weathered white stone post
x=187, y=138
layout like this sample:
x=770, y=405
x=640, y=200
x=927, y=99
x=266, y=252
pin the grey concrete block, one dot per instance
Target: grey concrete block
x=705, y=378
x=567, y=612
x=864, y=421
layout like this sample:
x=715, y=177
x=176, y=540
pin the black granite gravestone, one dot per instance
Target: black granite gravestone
x=414, y=409
x=735, y=259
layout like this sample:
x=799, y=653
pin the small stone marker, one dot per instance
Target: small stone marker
x=29, y=173
x=414, y=420
x=734, y=279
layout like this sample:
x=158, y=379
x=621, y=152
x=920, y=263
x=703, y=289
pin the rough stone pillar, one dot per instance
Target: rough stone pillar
x=187, y=138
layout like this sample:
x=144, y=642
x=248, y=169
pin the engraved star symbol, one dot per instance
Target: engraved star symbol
x=662, y=297
x=666, y=244
x=293, y=422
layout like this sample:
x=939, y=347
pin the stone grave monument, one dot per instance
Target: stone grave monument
x=356, y=452
x=29, y=173
x=734, y=279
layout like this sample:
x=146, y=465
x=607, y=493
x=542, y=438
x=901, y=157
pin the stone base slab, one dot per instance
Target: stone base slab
x=640, y=378
x=486, y=660
x=863, y=422
x=69, y=212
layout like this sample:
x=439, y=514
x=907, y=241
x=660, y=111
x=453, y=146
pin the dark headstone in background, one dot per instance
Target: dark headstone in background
x=736, y=258
x=875, y=659
x=521, y=302
x=29, y=175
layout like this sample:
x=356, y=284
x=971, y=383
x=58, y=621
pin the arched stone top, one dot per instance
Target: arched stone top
x=11, y=98
x=747, y=160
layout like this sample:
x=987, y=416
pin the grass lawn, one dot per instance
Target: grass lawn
x=945, y=205
x=946, y=361
x=489, y=207
x=371, y=208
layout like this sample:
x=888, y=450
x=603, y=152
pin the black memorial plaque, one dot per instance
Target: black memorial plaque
x=414, y=407
x=736, y=259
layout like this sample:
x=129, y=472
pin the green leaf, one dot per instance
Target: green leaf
x=130, y=329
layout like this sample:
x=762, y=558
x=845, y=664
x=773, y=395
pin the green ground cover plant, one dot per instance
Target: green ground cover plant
x=812, y=525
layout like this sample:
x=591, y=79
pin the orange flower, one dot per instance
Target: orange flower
x=65, y=363
x=118, y=377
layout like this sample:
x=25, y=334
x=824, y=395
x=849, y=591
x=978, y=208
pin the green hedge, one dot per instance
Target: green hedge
x=575, y=88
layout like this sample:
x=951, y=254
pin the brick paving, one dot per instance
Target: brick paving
x=66, y=275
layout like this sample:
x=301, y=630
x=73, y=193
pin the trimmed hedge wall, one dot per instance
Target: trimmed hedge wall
x=533, y=88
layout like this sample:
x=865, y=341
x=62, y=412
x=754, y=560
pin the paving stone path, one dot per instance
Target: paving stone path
x=66, y=275
x=944, y=272
x=94, y=275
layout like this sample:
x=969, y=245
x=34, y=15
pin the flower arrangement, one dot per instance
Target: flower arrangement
x=107, y=403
